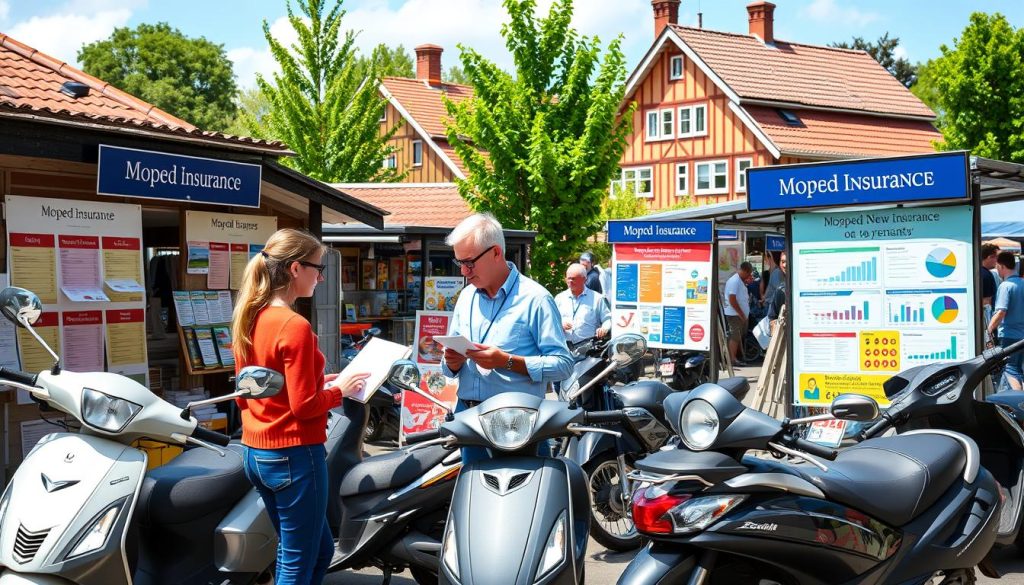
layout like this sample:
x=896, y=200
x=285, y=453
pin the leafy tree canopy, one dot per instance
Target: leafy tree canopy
x=188, y=78
x=542, y=144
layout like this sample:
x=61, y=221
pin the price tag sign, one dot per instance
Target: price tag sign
x=666, y=367
x=827, y=432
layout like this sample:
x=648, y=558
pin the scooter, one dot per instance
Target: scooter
x=684, y=369
x=83, y=509
x=607, y=460
x=518, y=517
x=917, y=507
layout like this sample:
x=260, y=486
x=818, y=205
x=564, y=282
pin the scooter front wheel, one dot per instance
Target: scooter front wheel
x=611, y=524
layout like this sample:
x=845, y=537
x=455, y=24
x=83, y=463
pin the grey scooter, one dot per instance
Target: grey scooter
x=518, y=518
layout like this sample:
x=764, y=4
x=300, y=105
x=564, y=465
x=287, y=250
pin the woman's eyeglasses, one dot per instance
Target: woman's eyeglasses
x=319, y=267
x=472, y=261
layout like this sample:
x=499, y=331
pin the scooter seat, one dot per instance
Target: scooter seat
x=738, y=386
x=390, y=470
x=893, y=479
x=192, y=485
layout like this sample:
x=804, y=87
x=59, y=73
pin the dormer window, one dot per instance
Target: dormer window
x=675, y=68
x=789, y=118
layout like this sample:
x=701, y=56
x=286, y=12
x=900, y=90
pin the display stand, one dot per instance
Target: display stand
x=187, y=351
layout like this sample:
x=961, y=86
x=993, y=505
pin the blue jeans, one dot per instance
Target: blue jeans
x=1013, y=364
x=293, y=484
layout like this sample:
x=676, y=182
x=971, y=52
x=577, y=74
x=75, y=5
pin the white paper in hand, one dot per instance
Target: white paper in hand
x=457, y=343
x=375, y=359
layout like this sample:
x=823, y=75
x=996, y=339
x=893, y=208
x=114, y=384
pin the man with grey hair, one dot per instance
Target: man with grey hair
x=585, y=312
x=511, y=319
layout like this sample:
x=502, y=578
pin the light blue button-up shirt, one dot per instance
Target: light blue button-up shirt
x=587, y=313
x=521, y=319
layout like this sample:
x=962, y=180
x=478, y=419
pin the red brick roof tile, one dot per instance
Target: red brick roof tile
x=802, y=74
x=30, y=83
x=417, y=204
x=424, y=102
x=837, y=134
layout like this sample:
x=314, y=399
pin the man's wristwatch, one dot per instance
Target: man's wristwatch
x=509, y=364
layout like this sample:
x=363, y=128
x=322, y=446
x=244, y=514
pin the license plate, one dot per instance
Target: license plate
x=827, y=432
x=667, y=367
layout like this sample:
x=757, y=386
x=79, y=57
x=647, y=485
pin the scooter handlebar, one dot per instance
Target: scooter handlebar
x=205, y=434
x=18, y=376
x=603, y=416
x=420, y=437
x=815, y=449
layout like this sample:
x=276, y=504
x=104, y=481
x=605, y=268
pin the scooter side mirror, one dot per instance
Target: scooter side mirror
x=20, y=306
x=258, y=382
x=855, y=407
x=372, y=332
x=404, y=374
x=627, y=349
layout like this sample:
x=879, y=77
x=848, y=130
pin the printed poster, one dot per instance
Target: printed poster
x=441, y=292
x=80, y=279
x=220, y=266
x=34, y=357
x=126, y=337
x=122, y=268
x=420, y=414
x=82, y=338
x=429, y=324
x=878, y=292
x=33, y=261
x=239, y=260
x=661, y=292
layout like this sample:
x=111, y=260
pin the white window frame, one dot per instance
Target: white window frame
x=656, y=131
x=685, y=177
x=390, y=162
x=636, y=178
x=672, y=75
x=415, y=144
x=384, y=116
x=712, y=175
x=741, y=177
x=691, y=111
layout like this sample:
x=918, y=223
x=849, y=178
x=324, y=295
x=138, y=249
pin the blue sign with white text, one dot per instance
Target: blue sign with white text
x=883, y=180
x=662, y=232
x=728, y=234
x=775, y=243
x=127, y=172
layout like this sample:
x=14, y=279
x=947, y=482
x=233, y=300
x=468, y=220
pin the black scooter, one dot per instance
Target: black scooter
x=918, y=507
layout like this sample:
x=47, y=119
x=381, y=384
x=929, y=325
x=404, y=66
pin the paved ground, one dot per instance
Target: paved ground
x=604, y=567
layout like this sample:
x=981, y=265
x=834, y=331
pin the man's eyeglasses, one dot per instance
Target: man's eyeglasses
x=472, y=261
x=319, y=267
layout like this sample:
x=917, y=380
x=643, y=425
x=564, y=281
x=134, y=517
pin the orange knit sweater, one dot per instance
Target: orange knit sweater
x=284, y=341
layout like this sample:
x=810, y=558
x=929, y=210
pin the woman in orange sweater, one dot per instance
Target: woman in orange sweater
x=284, y=435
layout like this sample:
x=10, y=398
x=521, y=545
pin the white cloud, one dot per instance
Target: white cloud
x=61, y=35
x=5, y=9
x=829, y=11
x=900, y=52
x=473, y=23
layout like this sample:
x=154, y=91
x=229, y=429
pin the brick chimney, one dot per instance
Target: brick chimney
x=428, y=64
x=666, y=12
x=762, y=20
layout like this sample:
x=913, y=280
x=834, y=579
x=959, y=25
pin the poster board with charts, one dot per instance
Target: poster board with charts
x=84, y=259
x=662, y=282
x=876, y=292
x=220, y=244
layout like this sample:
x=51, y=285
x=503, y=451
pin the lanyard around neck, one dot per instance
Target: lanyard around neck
x=494, y=315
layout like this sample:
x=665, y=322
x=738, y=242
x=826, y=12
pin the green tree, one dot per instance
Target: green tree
x=926, y=89
x=979, y=87
x=884, y=51
x=457, y=76
x=188, y=78
x=253, y=105
x=322, y=103
x=542, y=145
x=390, y=62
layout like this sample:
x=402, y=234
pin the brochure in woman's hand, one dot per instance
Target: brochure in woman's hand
x=375, y=359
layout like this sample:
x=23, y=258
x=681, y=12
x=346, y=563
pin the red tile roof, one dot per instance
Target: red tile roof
x=30, y=83
x=424, y=103
x=838, y=134
x=801, y=74
x=414, y=204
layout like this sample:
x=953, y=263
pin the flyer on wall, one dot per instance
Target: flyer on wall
x=877, y=292
x=420, y=414
x=430, y=324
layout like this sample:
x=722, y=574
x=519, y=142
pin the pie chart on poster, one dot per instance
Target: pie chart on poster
x=945, y=309
x=940, y=263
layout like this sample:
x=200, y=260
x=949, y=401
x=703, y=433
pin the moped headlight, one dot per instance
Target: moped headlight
x=699, y=424
x=509, y=428
x=554, y=550
x=451, y=554
x=94, y=537
x=106, y=412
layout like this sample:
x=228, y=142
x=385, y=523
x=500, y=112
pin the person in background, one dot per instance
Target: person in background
x=779, y=299
x=512, y=321
x=593, y=274
x=584, y=312
x=284, y=435
x=988, y=255
x=1008, y=316
x=775, y=278
x=737, y=309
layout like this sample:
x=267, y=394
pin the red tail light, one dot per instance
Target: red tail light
x=649, y=513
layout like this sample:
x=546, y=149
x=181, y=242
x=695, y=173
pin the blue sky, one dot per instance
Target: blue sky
x=59, y=27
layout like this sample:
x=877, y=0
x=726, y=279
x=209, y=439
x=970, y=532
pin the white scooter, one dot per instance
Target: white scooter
x=82, y=508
